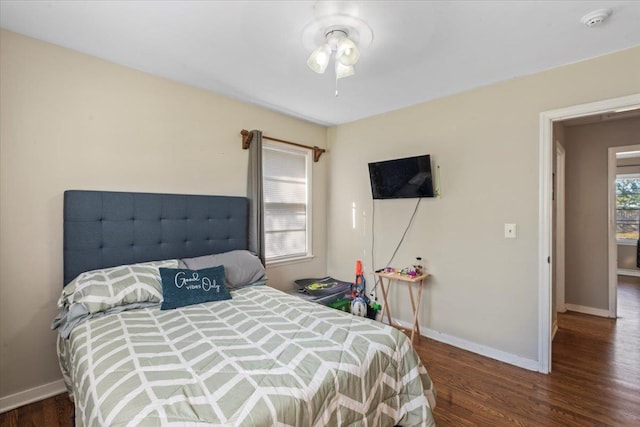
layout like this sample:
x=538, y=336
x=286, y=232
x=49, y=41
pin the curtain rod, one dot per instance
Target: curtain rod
x=248, y=136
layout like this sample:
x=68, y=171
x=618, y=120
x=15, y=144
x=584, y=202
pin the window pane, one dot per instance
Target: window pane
x=281, y=191
x=627, y=223
x=280, y=164
x=284, y=217
x=285, y=186
x=282, y=243
x=627, y=208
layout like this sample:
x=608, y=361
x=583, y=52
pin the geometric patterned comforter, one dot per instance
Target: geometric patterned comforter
x=262, y=358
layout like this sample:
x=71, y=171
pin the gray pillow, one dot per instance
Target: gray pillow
x=241, y=267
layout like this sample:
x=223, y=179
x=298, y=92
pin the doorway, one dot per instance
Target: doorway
x=546, y=223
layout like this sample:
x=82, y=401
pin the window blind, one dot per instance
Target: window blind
x=285, y=188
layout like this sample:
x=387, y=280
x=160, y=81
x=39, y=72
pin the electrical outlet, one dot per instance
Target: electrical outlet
x=510, y=231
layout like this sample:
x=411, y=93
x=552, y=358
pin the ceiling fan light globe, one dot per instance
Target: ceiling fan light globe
x=343, y=71
x=347, y=52
x=319, y=59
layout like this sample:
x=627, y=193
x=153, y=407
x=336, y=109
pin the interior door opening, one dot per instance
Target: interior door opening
x=546, y=259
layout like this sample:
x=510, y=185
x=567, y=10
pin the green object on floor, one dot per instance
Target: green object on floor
x=343, y=304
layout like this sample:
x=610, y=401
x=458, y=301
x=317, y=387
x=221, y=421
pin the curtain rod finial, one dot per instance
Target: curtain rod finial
x=246, y=139
x=317, y=152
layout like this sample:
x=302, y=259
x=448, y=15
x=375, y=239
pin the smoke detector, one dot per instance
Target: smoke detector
x=597, y=17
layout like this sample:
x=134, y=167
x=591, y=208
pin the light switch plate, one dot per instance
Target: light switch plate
x=510, y=231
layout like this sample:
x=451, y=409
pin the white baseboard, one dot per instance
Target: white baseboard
x=628, y=272
x=554, y=329
x=483, y=350
x=588, y=310
x=31, y=395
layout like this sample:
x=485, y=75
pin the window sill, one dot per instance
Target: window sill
x=287, y=261
x=627, y=242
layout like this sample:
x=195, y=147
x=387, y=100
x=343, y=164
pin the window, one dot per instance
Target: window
x=286, y=177
x=627, y=208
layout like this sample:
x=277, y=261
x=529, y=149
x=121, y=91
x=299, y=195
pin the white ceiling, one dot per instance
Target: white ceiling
x=253, y=50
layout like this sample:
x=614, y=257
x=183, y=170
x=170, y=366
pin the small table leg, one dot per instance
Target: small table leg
x=413, y=310
x=385, y=304
x=416, y=311
x=415, y=305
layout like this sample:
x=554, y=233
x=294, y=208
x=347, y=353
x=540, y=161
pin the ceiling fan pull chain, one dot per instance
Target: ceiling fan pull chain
x=336, y=86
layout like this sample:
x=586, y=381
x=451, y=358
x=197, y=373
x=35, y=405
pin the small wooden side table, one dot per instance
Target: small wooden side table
x=415, y=306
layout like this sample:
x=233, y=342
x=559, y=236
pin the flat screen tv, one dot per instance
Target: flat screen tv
x=402, y=178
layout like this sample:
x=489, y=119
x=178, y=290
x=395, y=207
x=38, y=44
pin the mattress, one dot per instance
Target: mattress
x=262, y=358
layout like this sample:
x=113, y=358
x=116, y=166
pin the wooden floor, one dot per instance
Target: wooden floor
x=595, y=379
x=52, y=412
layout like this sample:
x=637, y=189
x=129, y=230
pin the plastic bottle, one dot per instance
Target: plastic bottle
x=419, y=269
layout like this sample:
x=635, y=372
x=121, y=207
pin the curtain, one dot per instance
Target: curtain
x=255, y=196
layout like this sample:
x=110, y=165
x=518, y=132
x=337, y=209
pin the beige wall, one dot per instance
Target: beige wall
x=71, y=121
x=586, y=267
x=484, y=287
x=627, y=257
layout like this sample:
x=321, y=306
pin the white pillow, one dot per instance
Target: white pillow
x=100, y=290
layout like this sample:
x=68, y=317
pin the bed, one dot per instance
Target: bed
x=260, y=358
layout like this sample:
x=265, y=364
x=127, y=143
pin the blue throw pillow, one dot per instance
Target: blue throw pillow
x=181, y=287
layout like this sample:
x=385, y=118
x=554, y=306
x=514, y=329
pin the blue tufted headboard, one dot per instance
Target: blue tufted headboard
x=105, y=228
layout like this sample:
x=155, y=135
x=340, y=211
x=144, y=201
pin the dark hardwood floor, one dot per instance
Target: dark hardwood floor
x=595, y=379
x=52, y=412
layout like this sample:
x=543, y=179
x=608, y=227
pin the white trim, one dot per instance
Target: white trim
x=278, y=262
x=560, y=229
x=627, y=175
x=628, y=272
x=545, y=253
x=588, y=310
x=626, y=242
x=612, y=243
x=31, y=395
x=545, y=221
x=628, y=155
x=554, y=330
x=482, y=350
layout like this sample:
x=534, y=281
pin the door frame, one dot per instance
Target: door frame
x=560, y=223
x=545, y=206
